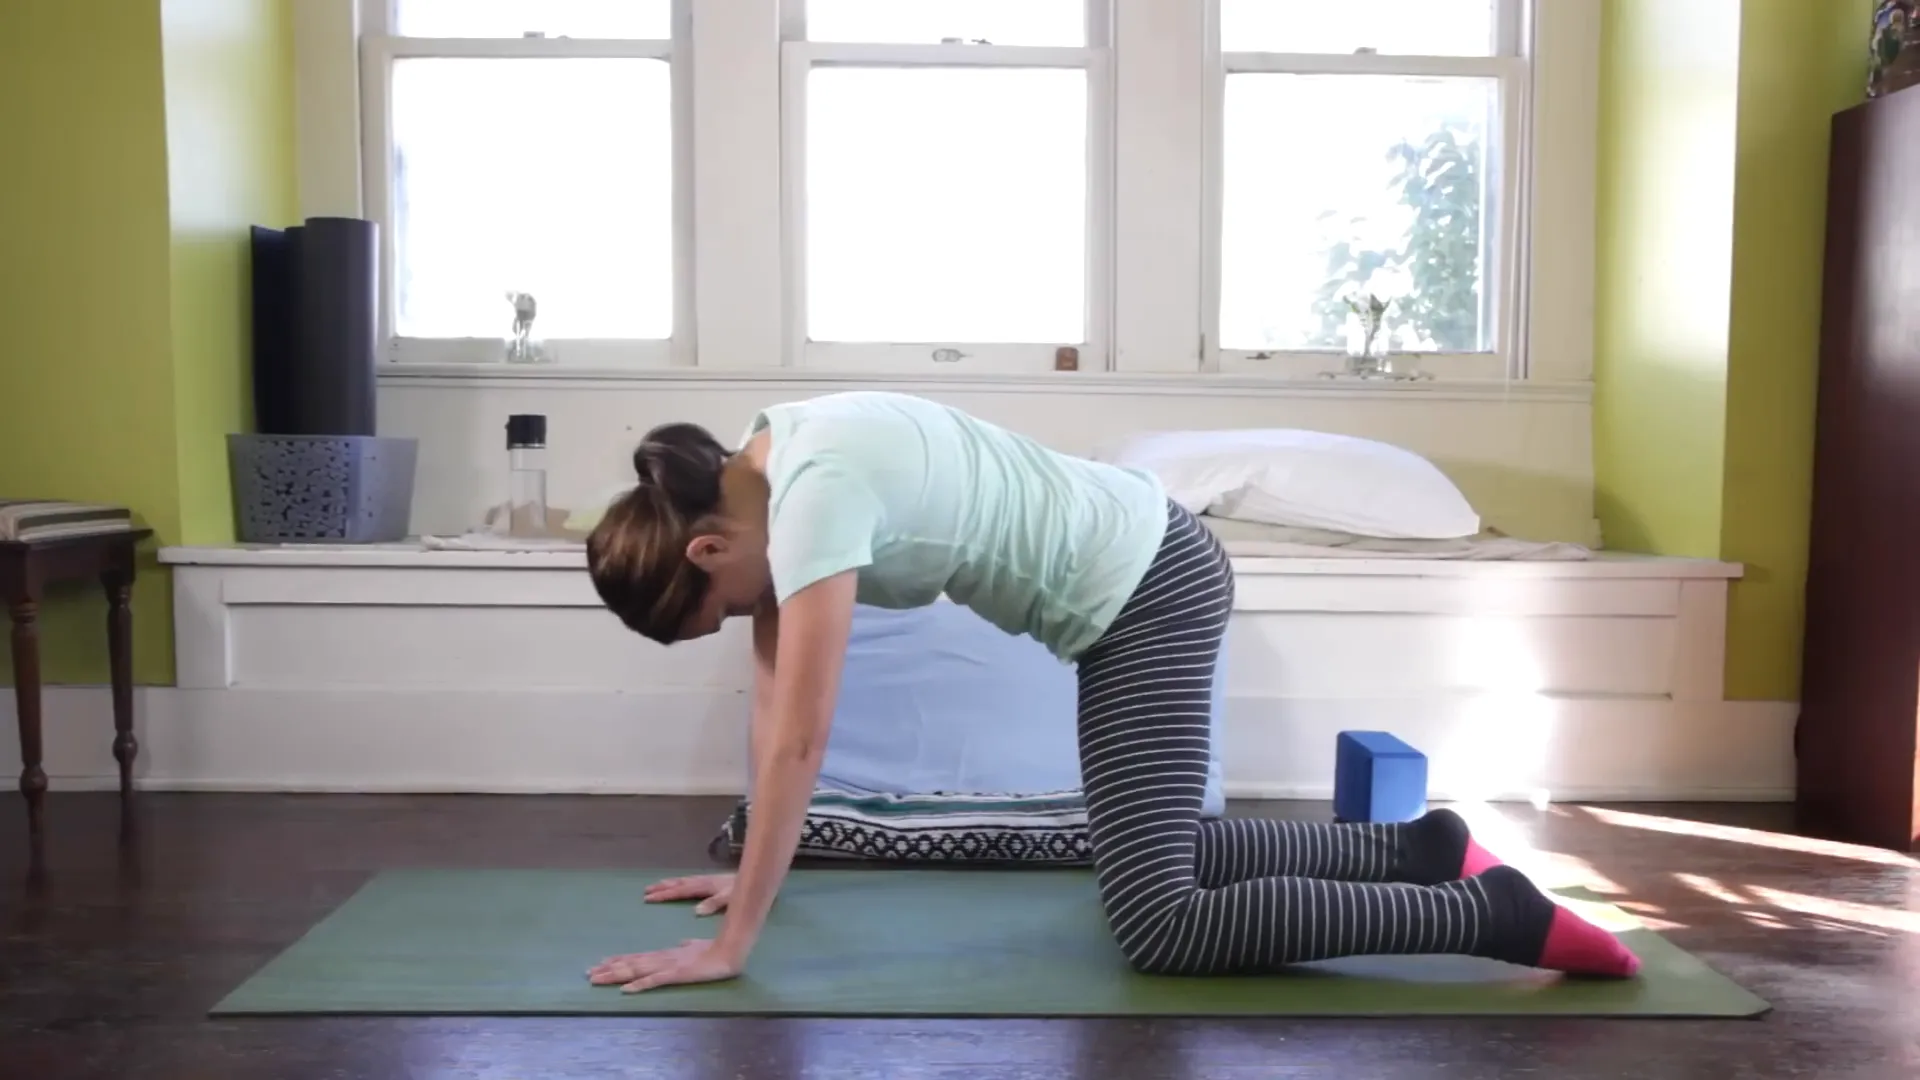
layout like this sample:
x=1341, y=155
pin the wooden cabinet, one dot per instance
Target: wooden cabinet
x=1860, y=694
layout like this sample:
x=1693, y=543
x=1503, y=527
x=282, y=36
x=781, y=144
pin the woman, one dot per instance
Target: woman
x=891, y=500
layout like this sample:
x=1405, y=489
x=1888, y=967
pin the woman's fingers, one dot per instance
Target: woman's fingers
x=623, y=969
x=610, y=971
x=605, y=969
x=686, y=888
x=648, y=983
x=666, y=885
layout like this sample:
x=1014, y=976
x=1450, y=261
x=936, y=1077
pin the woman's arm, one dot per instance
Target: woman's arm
x=811, y=645
x=766, y=638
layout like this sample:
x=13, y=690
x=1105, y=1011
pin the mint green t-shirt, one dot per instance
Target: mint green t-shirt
x=922, y=499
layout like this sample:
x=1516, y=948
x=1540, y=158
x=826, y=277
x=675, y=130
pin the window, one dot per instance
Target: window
x=947, y=171
x=866, y=189
x=528, y=147
x=1367, y=150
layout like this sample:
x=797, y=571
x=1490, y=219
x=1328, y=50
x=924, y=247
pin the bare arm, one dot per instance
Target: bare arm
x=766, y=636
x=811, y=644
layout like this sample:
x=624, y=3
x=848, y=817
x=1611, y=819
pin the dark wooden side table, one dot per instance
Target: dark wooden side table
x=50, y=556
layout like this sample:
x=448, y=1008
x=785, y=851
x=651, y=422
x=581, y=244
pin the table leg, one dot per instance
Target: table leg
x=26, y=696
x=119, y=585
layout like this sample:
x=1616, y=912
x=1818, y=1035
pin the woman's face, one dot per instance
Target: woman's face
x=738, y=577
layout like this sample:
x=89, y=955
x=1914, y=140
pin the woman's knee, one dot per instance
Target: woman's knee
x=1150, y=958
x=1149, y=941
x=1149, y=961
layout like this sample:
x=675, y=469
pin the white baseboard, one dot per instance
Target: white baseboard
x=691, y=742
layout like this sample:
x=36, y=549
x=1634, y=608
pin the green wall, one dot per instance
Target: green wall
x=1670, y=76
x=142, y=137
x=1715, y=118
x=87, y=373
x=1801, y=63
x=229, y=66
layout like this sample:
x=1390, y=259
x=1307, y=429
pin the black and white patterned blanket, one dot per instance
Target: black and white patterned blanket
x=1047, y=827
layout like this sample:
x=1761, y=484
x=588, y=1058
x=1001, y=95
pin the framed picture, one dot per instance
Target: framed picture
x=1893, y=56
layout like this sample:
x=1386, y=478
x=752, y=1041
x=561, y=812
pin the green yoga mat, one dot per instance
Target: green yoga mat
x=865, y=942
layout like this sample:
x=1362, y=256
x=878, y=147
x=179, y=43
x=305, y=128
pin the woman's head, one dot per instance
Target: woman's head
x=686, y=548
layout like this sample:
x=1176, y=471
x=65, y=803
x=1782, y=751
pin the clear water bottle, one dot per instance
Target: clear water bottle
x=526, y=475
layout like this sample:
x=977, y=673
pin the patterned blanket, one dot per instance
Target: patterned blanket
x=1048, y=827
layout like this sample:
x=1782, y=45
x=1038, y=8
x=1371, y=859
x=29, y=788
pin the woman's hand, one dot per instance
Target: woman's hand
x=712, y=890
x=692, y=961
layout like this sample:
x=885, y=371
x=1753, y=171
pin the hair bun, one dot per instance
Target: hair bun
x=684, y=461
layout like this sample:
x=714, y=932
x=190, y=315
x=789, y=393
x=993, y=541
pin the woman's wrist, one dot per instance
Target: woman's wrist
x=733, y=947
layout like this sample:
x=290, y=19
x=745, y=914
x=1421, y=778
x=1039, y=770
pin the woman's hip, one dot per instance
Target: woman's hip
x=1187, y=587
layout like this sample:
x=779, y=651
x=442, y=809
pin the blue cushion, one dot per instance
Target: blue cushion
x=937, y=699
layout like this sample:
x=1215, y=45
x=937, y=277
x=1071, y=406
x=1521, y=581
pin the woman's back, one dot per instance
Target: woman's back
x=925, y=499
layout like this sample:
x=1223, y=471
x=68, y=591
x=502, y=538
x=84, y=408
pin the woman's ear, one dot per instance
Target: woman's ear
x=708, y=550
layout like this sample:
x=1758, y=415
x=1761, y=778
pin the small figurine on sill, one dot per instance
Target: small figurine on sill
x=1370, y=345
x=522, y=346
x=1371, y=317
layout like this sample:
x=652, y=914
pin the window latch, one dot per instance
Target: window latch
x=947, y=356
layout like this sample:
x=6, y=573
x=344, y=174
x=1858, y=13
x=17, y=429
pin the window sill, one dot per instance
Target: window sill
x=415, y=555
x=1195, y=384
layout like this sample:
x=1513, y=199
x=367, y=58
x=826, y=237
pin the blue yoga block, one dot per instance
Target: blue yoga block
x=1377, y=777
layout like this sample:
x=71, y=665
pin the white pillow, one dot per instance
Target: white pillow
x=1304, y=479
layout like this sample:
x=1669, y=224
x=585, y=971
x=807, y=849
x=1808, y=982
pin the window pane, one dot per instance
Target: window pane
x=553, y=18
x=552, y=177
x=946, y=204
x=909, y=22
x=1337, y=185
x=1403, y=27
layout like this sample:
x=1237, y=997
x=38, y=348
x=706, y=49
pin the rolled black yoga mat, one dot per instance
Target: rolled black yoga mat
x=275, y=292
x=316, y=327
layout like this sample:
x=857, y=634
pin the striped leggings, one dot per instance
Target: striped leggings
x=1190, y=897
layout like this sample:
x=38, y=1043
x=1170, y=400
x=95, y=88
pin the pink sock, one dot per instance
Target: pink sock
x=1477, y=859
x=1578, y=947
x=1432, y=843
x=1531, y=930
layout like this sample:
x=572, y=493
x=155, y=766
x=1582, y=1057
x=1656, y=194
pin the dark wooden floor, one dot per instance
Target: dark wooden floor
x=110, y=956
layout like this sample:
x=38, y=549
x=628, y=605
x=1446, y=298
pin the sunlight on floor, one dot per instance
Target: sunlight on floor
x=1837, y=914
x=1736, y=835
x=1650, y=916
x=1771, y=908
x=1710, y=887
x=1513, y=844
x=1759, y=905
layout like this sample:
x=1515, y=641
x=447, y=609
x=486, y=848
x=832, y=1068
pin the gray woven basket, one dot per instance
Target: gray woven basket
x=292, y=489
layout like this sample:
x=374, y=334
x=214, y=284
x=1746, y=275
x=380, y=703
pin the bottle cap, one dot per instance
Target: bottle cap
x=526, y=429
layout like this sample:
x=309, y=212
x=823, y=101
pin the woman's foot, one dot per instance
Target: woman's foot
x=1439, y=847
x=1530, y=929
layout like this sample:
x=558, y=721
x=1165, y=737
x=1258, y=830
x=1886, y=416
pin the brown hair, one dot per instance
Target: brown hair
x=637, y=555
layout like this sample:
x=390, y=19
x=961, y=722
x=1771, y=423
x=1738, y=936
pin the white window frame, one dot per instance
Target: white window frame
x=799, y=56
x=1152, y=257
x=1504, y=281
x=380, y=46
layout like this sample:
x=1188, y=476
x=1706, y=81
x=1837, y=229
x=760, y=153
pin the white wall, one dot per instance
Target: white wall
x=1525, y=461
